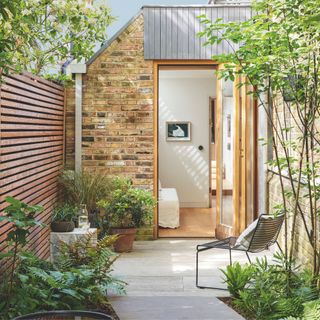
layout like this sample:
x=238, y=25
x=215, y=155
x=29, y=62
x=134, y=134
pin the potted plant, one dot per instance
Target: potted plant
x=63, y=218
x=86, y=187
x=127, y=209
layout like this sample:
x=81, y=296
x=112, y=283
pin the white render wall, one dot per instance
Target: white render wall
x=184, y=96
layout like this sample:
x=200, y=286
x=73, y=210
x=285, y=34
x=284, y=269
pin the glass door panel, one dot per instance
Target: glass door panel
x=227, y=153
x=228, y=158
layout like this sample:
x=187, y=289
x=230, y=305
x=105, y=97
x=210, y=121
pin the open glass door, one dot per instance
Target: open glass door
x=228, y=158
x=236, y=158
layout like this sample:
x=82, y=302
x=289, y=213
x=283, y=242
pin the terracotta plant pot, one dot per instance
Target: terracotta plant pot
x=62, y=226
x=125, y=241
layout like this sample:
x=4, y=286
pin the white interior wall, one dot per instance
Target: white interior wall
x=184, y=96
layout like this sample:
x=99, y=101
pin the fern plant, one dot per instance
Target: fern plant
x=79, y=281
x=273, y=291
x=237, y=277
x=96, y=258
x=312, y=310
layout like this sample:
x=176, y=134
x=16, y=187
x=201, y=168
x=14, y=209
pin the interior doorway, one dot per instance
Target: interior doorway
x=186, y=203
x=205, y=158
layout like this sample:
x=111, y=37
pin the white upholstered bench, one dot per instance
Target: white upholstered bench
x=169, y=208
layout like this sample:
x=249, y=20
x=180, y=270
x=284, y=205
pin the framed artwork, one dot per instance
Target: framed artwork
x=178, y=130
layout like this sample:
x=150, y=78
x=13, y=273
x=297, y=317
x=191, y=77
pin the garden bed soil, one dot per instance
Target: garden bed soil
x=229, y=302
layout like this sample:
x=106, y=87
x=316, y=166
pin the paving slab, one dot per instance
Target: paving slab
x=173, y=308
x=161, y=282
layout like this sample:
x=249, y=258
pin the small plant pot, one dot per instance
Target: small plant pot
x=125, y=241
x=62, y=226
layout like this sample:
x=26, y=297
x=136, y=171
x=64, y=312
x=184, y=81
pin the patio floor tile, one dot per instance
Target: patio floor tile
x=161, y=282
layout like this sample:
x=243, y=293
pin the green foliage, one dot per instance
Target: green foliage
x=40, y=286
x=21, y=215
x=64, y=212
x=39, y=34
x=84, y=188
x=79, y=280
x=312, y=310
x=8, y=38
x=22, y=218
x=276, y=54
x=64, y=79
x=237, y=277
x=97, y=259
x=270, y=291
x=275, y=43
x=128, y=207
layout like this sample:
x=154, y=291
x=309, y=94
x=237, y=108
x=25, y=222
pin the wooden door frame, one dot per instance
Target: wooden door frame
x=240, y=215
x=212, y=102
x=192, y=64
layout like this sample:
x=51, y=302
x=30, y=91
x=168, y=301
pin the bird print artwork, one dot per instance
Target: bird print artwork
x=178, y=131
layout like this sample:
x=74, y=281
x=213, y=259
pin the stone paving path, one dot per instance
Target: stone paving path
x=161, y=282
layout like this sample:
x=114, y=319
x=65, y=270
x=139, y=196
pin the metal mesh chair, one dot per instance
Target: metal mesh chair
x=264, y=236
x=65, y=315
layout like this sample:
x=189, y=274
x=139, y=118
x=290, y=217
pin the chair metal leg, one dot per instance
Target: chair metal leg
x=279, y=247
x=230, y=257
x=248, y=256
x=197, y=269
x=197, y=276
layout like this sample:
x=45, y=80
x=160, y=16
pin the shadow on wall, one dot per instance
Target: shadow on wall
x=193, y=164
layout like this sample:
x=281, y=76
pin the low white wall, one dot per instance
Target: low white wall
x=184, y=96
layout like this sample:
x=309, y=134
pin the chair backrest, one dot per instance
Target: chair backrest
x=266, y=232
x=65, y=315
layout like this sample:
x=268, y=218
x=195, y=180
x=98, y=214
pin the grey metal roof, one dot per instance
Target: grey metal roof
x=229, y=2
x=170, y=32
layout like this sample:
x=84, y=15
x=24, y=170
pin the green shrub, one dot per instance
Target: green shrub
x=270, y=291
x=85, y=187
x=97, y=259
x=22, y=218
x=128, y=207
x=237, y=277
x=64, y=212
x=80, y=280
x=312, y=310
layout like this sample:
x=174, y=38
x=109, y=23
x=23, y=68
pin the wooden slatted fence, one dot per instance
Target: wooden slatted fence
x=31, y=148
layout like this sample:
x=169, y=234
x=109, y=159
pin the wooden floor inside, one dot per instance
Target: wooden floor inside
x=194, y=223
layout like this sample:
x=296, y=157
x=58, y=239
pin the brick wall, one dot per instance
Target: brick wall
x=302, y=248
x=117, y=124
